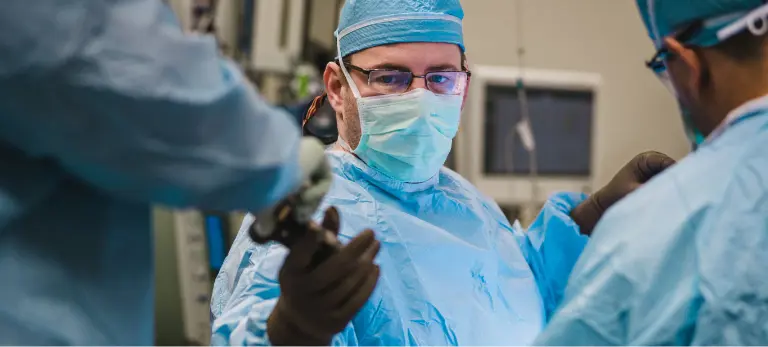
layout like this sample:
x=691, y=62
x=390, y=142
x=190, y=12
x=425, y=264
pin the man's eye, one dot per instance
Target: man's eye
x=386, y=79
x=438, y=79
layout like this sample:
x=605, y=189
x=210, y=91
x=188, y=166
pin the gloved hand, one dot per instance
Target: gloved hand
x=315, y=182
x=634, y=174
x=317, y=301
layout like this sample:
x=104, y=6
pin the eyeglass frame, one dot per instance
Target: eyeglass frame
x=367, y=73
x=657, y=62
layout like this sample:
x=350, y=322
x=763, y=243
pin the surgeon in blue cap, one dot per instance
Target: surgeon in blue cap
x=450, y=268
x=683, y=260
x=105, y=108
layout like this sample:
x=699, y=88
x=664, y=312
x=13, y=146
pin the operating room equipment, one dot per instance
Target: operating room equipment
x=307, y=81
x=200, y=241
x=562, y=108
x=291, y=219
x=528, y=132
x=524, y=126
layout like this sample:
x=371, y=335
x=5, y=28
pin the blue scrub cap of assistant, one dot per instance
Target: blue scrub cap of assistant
x=720, y=19
x=369, y=23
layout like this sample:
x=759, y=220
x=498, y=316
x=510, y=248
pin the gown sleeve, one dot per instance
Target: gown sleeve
x=117, y=94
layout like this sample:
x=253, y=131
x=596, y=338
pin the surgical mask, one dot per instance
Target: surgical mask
x=408, y=136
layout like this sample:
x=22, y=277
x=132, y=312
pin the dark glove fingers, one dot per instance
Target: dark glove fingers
x=339, y=269
x=300, y=255
x=339, y=291
x=370, y=254
x=650, y=164
x=665, y=162
x=303, y=328
x=345, y=260
x=338, y=294
x=332, y=220
x=360, y=296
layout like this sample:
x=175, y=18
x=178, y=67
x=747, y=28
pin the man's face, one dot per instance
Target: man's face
x=418, y=58
x=695, y=75
x=684, y=77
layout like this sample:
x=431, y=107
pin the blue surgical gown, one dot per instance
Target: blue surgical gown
x=106, y=106
x=453, y=270
x=681, y=261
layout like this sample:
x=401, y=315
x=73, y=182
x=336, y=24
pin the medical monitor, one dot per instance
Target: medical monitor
x=561, y=107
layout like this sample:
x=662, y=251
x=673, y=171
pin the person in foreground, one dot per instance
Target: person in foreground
x=105, y=108
x=451, y=269
x=683, y=261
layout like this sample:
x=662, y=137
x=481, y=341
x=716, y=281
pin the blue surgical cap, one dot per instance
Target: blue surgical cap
x=369, y=23
x=665, y=17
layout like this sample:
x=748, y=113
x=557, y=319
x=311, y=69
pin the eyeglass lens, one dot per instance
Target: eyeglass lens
x=439, y=82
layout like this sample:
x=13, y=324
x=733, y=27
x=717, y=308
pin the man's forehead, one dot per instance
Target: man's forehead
x=410, y=56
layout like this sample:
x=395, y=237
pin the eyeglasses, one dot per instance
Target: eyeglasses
x=657, y=63
x=386, y=81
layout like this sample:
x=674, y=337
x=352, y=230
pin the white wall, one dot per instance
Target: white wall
x=634, y=111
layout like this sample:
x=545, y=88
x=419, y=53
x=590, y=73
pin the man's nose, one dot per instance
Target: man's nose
x=418, y=82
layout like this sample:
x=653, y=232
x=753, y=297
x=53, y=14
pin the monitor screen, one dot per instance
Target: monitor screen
x=561, y=121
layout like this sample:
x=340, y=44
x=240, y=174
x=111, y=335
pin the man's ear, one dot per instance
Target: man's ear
x=333, y=85
x=684, y=64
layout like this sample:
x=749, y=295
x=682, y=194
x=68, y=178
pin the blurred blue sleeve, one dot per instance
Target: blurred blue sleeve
x=119, y=96
x=552, y=245
x=242, y=320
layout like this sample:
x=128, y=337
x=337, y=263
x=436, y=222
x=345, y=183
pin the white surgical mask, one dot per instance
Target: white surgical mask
x=408, y=136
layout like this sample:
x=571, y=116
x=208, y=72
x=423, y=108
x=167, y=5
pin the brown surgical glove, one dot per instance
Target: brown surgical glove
x=317, y=301
x=638, y=171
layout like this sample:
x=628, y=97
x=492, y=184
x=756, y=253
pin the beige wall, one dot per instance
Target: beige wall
x=634, y=111
x=323, y=22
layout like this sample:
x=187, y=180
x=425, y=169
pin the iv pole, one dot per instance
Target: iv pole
x=524, y=127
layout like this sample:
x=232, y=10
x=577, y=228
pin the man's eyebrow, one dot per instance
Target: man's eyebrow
x=443, y=67
x=390, y=66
